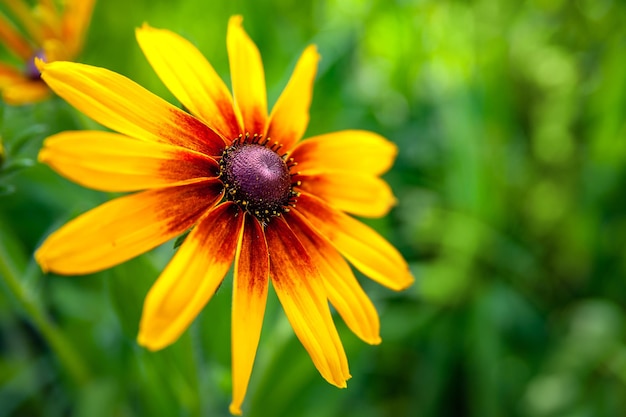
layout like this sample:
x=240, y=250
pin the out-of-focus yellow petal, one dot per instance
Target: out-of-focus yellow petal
x=300, y=289
x=356, y=193
x=191, y=278
x=48, y=20
x=290, y=115
x=13, y=40
x=111, y=162
x=344, y=291
x=10, y=75
x=122, y=105
x=51, y=5
x=126, y=227
x=348, y=150
x=191, y=78
x=249, y=298
x=75, y=21
x=25, y=92
x=361, y=245
x=248, y=77
x=24, y=14
x=54, y=50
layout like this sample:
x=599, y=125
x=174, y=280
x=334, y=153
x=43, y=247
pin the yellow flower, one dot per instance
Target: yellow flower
x=250, y=191
x=44, y=32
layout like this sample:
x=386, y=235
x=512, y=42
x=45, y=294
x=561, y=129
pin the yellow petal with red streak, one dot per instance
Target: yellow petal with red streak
x=191, y=278
x=126, y=227
x=191, y=78
x=344, y=291
x=249, y=299
x=122, y=105
x=112, y=162
x=300, y=289
x=360, y=244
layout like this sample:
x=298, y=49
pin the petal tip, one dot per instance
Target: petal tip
x=235, y=409
x=340, y=381
x=41, y=156
x=148, y=342
x=41, y=261
x=374, y=340
x=312, y=49
x=235, y=20
x=406, y=283
x=143, y=29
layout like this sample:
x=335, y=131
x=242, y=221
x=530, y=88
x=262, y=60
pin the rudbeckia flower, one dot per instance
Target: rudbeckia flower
x=250, y=191
x=44, y=32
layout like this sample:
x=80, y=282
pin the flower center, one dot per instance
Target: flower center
x=257, y=178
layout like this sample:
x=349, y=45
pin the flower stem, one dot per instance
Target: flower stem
x=12, y=267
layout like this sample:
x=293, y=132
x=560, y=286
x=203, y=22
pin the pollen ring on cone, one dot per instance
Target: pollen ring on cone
x=257, y=177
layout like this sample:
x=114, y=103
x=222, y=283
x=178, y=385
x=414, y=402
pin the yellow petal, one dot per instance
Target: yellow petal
x=249, y=299
x=13, y=40
x=75, y=21
x=348, y=150
x=344, y=291
x=290, y=115
x=361, y=245
x=300, y=289
x=356, y=193
x=25, y=92
x=191, y=278
x=191, y=78
x=112, y=162
x=126, y=227
x=122, y=105
x=248, y=77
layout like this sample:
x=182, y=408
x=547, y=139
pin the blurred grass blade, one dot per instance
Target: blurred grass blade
x=13, y=263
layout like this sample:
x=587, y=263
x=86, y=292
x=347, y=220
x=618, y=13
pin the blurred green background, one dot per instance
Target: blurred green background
x=510, y=117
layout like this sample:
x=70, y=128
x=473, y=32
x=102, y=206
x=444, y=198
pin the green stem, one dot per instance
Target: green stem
x=10, y=272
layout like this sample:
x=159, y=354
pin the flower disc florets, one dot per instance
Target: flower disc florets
x=257, y=178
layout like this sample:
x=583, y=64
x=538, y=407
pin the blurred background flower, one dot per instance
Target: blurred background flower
x=510, y=120
x=46, y=30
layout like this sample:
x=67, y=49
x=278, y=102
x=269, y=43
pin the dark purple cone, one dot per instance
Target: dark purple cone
x=257, y=178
